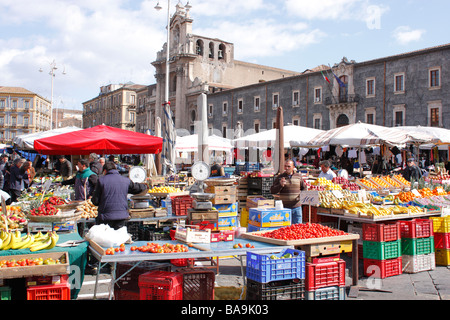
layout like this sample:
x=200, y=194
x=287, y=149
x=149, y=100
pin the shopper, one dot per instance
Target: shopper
x=94, y=164
x=16, y=183
x=110, y=196
x=412, y=172
x=84, y=181
x=65, y=170
x=28, y=174
x=325, y=170
x=217, y=169
x=288, y=186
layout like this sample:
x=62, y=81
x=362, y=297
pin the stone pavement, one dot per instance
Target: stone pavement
x=426, y=285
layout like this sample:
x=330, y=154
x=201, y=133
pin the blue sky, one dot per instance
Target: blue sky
x=98, y=42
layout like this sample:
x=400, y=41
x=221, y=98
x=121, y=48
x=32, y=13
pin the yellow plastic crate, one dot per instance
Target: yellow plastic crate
x=441, y=224
x=442, y=257
x=244, y=217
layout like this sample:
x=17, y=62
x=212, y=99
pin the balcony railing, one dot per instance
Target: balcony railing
x=347, y=98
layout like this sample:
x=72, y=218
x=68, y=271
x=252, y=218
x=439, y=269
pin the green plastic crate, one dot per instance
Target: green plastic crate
x=382, y=250
x=417, y=246
x=5, y=293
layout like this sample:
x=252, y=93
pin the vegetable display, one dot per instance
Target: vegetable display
x=302, y=231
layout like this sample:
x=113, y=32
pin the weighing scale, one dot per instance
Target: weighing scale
x=138, y=175
x=200, y=172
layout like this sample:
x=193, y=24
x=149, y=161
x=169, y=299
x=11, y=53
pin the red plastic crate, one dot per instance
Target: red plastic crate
x=198, y=283
x=180, y=205
x=382, y=268
x=120, y=294
x=416, y=228
x=442, y=240
x=320, y=275
x=49, y=292
x=161, y=285
x=381, y=232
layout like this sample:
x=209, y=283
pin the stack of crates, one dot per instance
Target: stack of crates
x=260, y=186
x=325, y=278
x=279, y=276
x=181, y=204
x=382, y=252
x=161, y=285
x=441, y=229
x=198, y=283
x=48, y=288
x=417, y=245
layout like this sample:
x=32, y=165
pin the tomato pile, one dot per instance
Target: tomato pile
x=157, y=248
x=303, y=231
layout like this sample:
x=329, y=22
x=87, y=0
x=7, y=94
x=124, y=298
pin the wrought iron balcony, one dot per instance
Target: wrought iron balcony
x=347, y=98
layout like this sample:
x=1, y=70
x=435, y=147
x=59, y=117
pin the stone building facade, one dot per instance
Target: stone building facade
x=22, y=112
x=409, y=89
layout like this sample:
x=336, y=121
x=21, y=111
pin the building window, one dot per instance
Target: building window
x=256, y=104
x=435, y=114
x=296, y=98
x=370, y=115
x=399, y=115
x=275, y=100
x=199, y=48
x=435, y=78
x=317, y=121
x=317, y=95
x=256, y=126
x=14, y=104
x=399, y=83
x=225, y=108
x=240, y=108
x=2, y=121
x=370, y=87
x=296, y=121
x=25, y=121
x=221, y=52
x=210, y=110
x=211, y=50
x=2, y=104
x=224, y=130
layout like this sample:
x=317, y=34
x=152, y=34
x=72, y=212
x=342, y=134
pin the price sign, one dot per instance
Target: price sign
x=337, y=193
x=416, y=193
x=310, y=197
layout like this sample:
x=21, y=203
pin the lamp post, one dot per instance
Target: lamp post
x=52, y=73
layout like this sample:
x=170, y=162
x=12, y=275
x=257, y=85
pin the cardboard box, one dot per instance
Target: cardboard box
x=192, y=235
x=222, y=190
x=227, y=207
x=64, y=226
x=260, y=201
x=224, y=199
x=269, y=217
x=227, y=223
x=224, y=235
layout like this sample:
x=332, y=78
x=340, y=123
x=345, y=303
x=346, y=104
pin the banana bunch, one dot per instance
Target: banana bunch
x=415, y=210
x=15, y=241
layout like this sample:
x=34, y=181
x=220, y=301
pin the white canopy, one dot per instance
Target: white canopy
x=26, y=141
x=360, y=134
x=440, y=135
x=291, y=132
x=190, y=143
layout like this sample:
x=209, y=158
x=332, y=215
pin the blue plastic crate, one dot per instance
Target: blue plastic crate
x=263, y=268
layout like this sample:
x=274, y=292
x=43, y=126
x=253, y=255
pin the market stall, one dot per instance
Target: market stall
x=26, y=141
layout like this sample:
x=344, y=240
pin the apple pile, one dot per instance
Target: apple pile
x=29, y=262
x=157, y=248
x=345, y=183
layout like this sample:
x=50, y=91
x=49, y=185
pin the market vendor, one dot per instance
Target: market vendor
x=217, y=169
x=110, y=195
x=412, y=171
x=84, y=181
x=65, y=170
x=325, y=170
x=288, y=186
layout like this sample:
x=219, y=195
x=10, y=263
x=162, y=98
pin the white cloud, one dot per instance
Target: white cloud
x=404, y=35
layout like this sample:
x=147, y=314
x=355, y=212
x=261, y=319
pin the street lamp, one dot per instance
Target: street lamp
x=53, y=68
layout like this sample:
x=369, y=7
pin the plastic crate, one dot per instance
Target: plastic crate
x=329, y=293
x=198, y=283
x=261, y=268
x=382, y=268
x=418, y=263
x=442, y=240
x=320, y=275
x=442, y=257
x=417, y=246
x=161, y=285
x=381, y=232
x=180, y=205
x=441, y=224
x=130, y=281
x=126, y=295
x=5, y=293
x=49, y=292
x=382, y=250
x=416, y=228
x=293, y=289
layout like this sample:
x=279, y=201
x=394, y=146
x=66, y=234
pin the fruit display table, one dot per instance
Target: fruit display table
x=77, y=258
x=236, y=248
x=314, y=247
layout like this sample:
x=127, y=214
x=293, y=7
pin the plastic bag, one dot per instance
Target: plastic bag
x=106, y=236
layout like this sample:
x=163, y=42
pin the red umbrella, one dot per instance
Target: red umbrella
x=99, y=139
